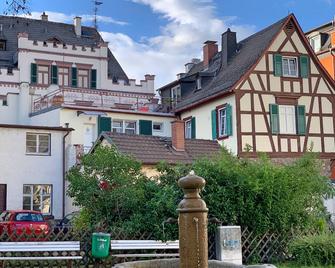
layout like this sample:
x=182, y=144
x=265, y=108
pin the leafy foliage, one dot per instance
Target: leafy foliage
x=253, y=193
x=314, y=250
x=15, y=7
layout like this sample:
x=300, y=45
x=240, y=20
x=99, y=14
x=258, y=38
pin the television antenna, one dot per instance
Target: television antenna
x=96, y=5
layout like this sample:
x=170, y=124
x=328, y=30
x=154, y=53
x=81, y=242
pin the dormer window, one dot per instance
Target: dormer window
x=198, y=86
x=315, y=42
x=2, y=45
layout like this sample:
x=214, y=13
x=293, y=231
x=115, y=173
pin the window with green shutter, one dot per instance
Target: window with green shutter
x=193, y=128
x=54, y=74
x=145, y=127
x=277, y=65
x=33, y=73
x=93, y=78
x=229, y=123
x=74, y=77
x=301, y=119
x=104, y=124
x=214, y=127
x=304, y=66
x=274, y=118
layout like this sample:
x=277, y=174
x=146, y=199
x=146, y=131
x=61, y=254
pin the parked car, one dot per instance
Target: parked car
x=18, y=222
x=66, y=223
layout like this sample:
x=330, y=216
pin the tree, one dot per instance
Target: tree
x=15, y=7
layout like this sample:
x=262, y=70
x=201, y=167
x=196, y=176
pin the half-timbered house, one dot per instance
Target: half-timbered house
x=267, y=93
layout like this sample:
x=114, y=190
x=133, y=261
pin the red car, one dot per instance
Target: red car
x=18, y=222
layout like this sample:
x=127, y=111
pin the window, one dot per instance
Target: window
x=290, y=66
x=175, y=95
x=38, y=144
x=63, y=76
x=43, y=75
x=188, y=129
x=198, y=83
x=158, y=127
x=130, y=127
x=222, y=119
x=315, y=42
x=117, y=126
x=287, y=124
x=4, y=101
x=122, y=126
x=82, y=78
x=37, y=197
x=2, y=45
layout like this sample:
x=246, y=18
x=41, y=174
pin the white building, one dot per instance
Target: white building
x=32, y=168
x=62, y=75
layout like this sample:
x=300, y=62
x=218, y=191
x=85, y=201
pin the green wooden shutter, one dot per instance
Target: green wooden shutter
x=74, y=77
x=145, y=127
x=214, y=127
x=33, y=73
x=274, y=118
x=54, y=74
x=93, y=78
x=104, y=124
x=304, y=66
x=277, y=65
x=229, y=123
x=301, y=119
x=193, y=128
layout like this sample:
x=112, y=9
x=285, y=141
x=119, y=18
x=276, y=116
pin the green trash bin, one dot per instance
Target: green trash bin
x=100, y=245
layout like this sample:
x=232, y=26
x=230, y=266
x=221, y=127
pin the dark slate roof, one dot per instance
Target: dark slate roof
x=248, y=52
x=44, y=30
x=152, y=149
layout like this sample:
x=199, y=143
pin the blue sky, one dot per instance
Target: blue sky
x=160, y=36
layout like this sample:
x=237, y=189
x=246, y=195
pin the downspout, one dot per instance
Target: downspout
x=63, y=205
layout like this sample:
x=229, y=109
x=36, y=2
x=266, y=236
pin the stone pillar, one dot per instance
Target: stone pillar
x=193, y=240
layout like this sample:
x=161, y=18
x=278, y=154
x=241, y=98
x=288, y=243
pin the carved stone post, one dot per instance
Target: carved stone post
x=193, y=240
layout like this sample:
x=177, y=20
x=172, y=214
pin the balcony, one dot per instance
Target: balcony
x=106, y=99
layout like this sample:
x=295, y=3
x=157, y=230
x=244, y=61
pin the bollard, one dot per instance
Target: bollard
x=193, y=240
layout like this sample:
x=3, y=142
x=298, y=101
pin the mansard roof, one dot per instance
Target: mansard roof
x=248, y=52
x=45, y=30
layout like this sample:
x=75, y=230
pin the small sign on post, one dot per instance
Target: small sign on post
x=228, y=244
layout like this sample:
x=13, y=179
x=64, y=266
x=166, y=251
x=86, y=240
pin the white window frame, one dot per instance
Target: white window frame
x=198, y=83
x=316, y=39
x=41, y=197
x=124, y=127
x=37, y=140
x=175, y=94
x=285, y=58
x=188, y=129
x=222, y=121
x=287, y=119
x=161, y=124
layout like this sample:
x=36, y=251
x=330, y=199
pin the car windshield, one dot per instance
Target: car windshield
x=26, y=216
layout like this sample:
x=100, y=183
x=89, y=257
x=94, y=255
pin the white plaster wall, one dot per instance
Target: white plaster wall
x=50, y=118
x=9, y=113
x=203, y=120
x=17, y=168
x=78, y=122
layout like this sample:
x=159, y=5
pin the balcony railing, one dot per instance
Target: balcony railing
x=96, y=98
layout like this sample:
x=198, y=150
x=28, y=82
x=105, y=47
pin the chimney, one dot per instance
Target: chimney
x=229, y=46
x=178, y=135
x=44, y=17
x=209, y=50
x=77, y=26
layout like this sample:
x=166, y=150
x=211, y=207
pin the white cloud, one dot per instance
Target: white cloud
x=188, y=24
x=61, y=17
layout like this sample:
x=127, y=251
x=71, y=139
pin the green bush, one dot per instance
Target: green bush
x=314, y=250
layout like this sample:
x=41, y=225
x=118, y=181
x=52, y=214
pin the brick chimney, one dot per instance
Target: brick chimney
x=77, y=25
x=209, y=50
x=44, y=17
x=229, y=46
x=178, y=135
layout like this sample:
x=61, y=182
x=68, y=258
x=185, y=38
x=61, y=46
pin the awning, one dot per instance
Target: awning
x=91, y=113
